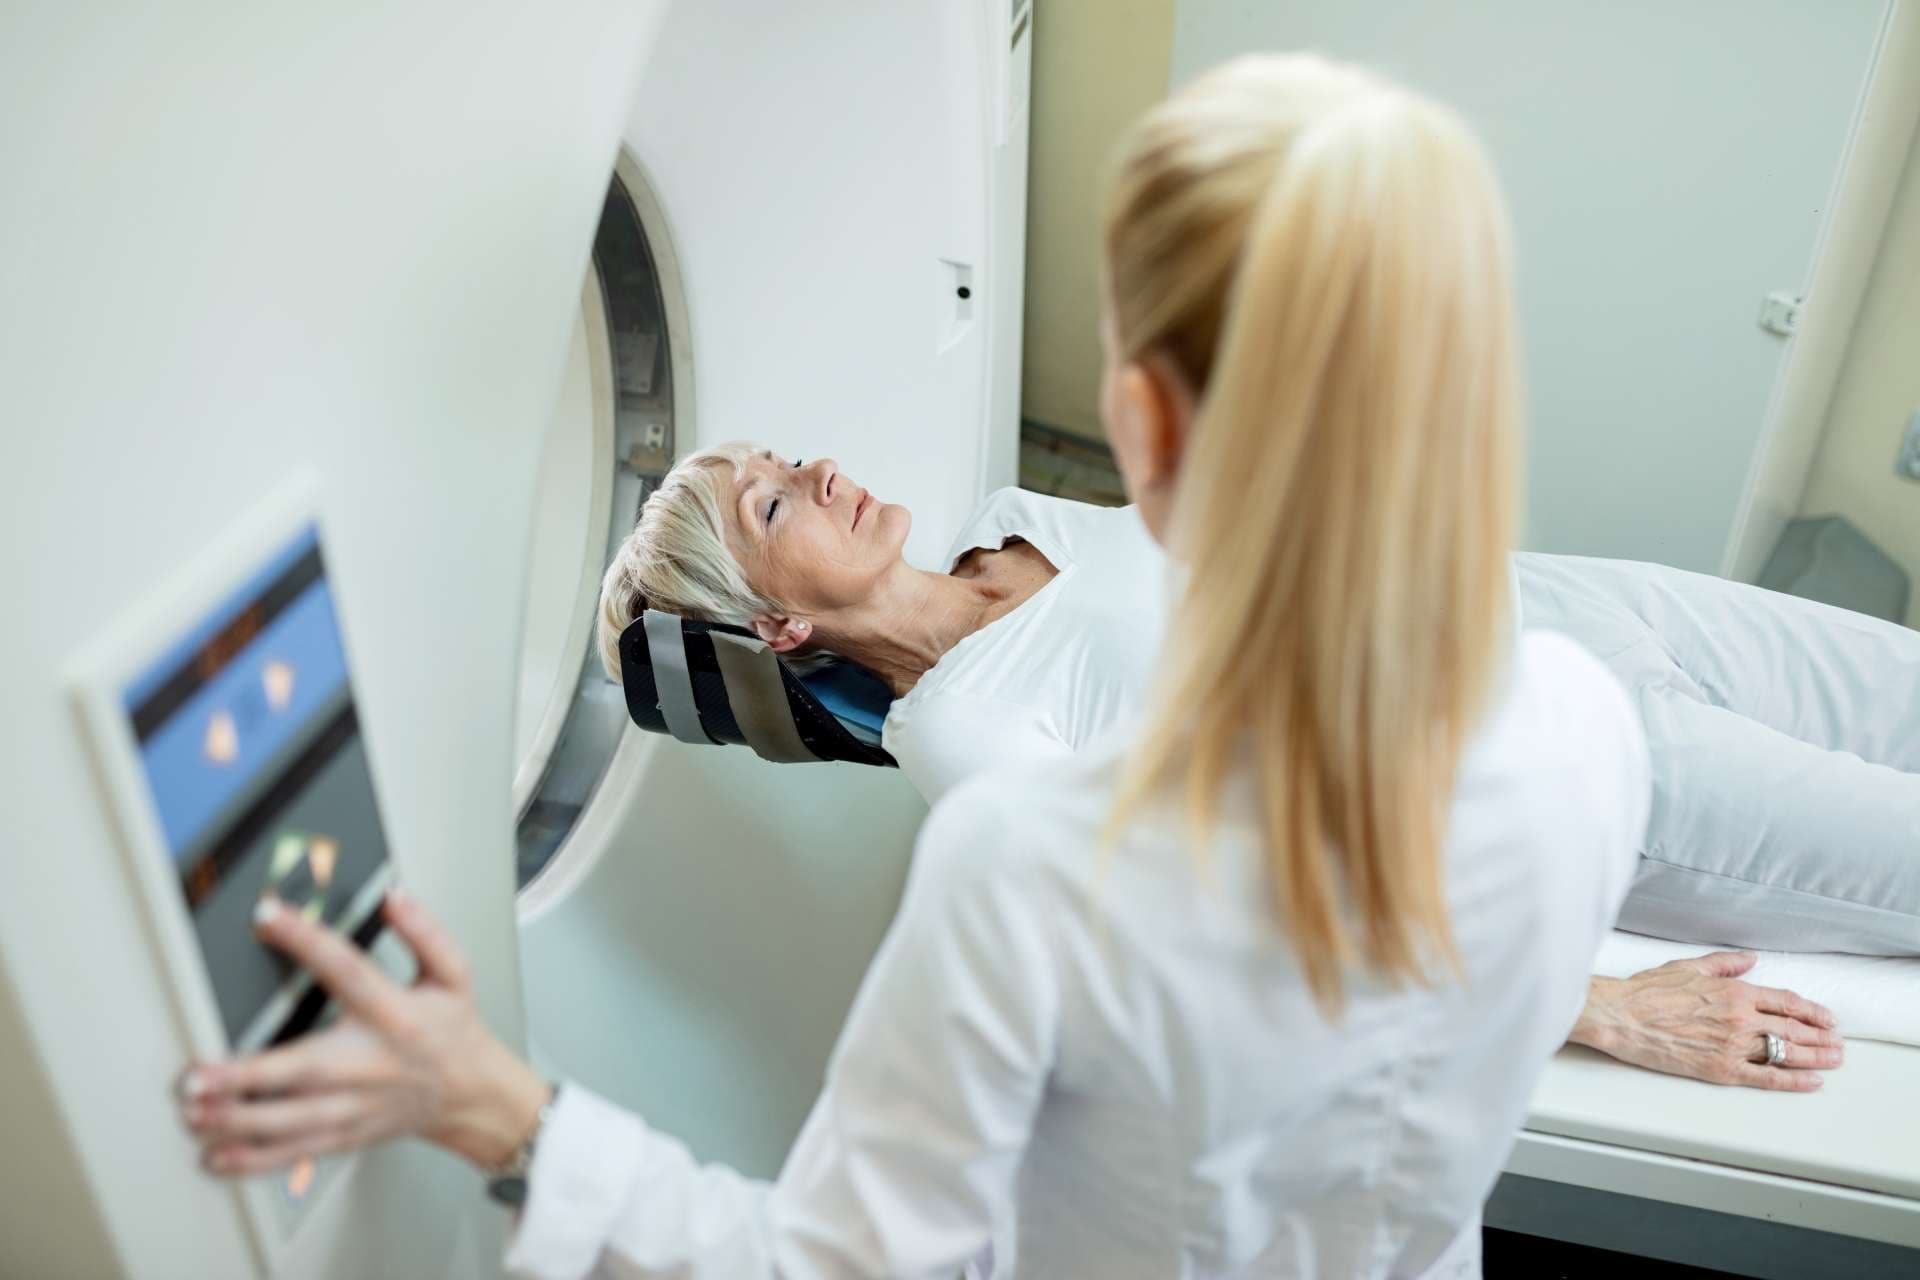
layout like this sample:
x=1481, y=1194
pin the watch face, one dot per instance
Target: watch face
x=509, y=1189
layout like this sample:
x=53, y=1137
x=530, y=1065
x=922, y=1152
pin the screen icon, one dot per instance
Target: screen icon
x=276, y=678
x=301, y=871
x=300, y=1179
x=222, y=743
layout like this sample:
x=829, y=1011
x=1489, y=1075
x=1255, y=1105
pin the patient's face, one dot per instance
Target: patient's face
x=808, y=536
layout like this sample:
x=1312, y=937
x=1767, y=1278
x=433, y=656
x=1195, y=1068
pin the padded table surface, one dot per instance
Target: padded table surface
x=1861, y=1130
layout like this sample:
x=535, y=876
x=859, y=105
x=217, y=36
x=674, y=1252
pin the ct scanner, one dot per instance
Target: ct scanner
x=725, y=906
x=244, y=246
x=250, y=249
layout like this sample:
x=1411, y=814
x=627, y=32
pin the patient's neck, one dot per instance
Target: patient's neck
x=916, y=616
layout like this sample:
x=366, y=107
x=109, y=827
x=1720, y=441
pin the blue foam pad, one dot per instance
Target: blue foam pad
x=856, y=697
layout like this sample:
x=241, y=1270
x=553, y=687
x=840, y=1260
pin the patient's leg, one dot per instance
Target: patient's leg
x=1826, y=676
x=1758, y=839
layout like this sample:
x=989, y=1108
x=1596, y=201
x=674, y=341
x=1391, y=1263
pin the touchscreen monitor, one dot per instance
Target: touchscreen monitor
x=247, y=736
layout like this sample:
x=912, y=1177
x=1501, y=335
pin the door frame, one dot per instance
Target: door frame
x=1885, y=129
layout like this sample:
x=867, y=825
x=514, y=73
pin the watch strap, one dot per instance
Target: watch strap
x=507, y=1182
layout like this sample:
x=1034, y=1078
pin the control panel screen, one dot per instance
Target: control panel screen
x=249, y=740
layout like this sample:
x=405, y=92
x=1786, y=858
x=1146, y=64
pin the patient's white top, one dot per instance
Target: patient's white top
x=1112, y=1067
x=1052, y=675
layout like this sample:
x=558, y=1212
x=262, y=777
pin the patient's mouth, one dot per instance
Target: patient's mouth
x=860, y=507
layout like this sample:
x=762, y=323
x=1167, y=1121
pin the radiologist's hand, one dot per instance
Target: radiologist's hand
x=398, y=1061
x=1694, y=1018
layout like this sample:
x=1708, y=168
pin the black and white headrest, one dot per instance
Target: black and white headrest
x=711, y=684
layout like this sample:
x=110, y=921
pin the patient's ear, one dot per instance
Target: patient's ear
x=783, y=635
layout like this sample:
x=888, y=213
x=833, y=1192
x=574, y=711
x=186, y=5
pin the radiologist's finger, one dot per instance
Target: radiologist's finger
x=441, y=959
x=229, y=1119
x=1787, y=1004
x=310, y=1062
x=335, y=963
x=244, y=1159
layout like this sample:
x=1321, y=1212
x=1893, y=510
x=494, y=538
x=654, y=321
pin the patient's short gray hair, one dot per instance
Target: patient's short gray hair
x=677, y=558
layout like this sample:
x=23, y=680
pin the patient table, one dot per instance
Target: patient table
x=1760, y=1184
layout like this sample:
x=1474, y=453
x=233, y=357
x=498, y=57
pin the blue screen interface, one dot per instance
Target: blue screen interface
x=250, y=742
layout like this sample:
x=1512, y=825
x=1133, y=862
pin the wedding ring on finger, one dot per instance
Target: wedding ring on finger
x=1776, y=1049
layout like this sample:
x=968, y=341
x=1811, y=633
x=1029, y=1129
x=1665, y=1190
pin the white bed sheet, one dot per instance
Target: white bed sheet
x=1873, y=997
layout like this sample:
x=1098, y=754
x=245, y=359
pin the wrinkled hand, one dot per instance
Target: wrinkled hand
x=1694, y=1018
x=397, y=1061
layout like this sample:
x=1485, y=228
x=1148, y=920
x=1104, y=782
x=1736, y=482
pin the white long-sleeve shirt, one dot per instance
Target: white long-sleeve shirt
x=1054, y=674
x=1110, y=1067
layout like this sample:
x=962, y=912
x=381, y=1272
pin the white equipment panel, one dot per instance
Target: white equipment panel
x=228, y=744
x=827, y=176
x=352, y=242
x=833, y=199
x=252, y=241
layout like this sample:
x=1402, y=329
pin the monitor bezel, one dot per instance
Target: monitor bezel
x=98, y=679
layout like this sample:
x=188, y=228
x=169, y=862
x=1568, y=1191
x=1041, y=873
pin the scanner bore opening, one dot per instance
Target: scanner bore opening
x=611, y=441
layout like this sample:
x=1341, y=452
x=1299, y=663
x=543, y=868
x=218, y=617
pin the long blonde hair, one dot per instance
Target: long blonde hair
x=1323, y=257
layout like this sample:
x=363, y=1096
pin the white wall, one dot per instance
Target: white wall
x=1097, y=64
x=1879, y=389
x=1668, y=166
x=1889, y=121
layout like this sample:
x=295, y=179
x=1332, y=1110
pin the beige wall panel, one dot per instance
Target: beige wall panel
x=1097, y=64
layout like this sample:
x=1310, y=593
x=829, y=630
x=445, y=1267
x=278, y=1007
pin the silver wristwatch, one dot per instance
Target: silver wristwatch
x=507, y=1182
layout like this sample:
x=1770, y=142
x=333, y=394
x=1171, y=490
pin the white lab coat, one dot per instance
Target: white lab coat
x=1109, y=1065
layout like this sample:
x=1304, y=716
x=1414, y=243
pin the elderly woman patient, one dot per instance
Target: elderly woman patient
x=1038, y=636
x=1786, y=759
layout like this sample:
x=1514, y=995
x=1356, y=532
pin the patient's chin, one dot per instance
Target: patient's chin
x=895, y=523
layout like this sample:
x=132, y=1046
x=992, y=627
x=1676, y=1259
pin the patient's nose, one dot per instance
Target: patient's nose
x=826, y=475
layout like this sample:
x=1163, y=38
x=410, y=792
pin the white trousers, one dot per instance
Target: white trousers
x=1785, y=742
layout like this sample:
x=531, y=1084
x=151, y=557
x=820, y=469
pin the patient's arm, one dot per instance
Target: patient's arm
x=1695, y=1018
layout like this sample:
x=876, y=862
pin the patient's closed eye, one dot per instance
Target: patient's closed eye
x=775, y=504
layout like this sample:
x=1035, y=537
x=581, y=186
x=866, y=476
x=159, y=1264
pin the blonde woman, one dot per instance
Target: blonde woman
x=1262, y=990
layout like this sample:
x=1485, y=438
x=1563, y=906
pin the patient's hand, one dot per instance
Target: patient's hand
x=1695, y=1018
